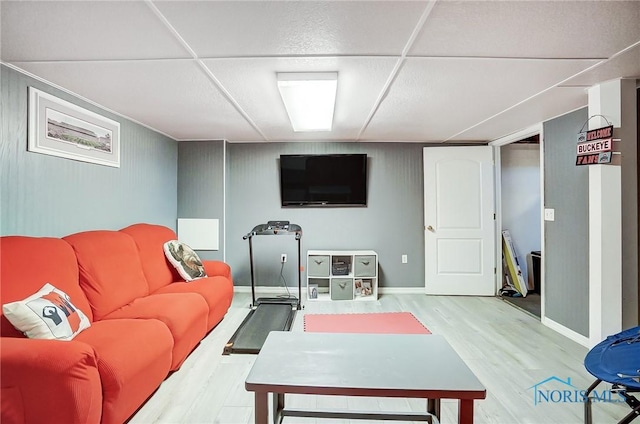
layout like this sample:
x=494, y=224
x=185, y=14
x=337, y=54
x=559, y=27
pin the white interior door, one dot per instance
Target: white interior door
x=459, y=220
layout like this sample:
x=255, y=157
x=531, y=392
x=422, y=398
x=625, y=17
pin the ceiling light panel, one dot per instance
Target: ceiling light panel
x=309, y=99
x=251, y=83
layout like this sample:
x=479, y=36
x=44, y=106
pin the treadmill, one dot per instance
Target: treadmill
x=267, y=313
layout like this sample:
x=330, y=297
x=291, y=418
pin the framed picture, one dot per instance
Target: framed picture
x=366, y=288
x=313, y=291
x=358, y=287
x=60, y=128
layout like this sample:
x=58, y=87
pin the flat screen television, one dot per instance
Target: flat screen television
x=323, y=180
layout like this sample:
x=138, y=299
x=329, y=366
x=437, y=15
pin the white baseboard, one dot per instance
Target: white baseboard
x=401, y=290
x=294, y=290
x=576, y=337
x=266, y=289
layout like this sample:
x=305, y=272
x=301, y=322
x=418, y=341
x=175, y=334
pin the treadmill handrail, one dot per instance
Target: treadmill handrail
x=265, y=230
x=274, y=230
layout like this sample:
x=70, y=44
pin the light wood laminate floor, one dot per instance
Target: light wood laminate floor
x=509, y=351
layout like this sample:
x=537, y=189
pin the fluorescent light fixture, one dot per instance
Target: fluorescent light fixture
x=309, y=98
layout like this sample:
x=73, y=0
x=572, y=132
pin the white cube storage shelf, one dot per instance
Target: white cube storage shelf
x=342, y=275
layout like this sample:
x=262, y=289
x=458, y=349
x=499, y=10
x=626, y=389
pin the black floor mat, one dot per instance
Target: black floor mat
x=253, y=331
x=531, y=303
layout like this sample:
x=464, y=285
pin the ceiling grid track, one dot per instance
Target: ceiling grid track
x=435, y=72
x=205, y=69
x=396, y=69
x=559, y=84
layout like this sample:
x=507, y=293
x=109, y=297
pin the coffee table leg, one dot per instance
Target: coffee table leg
x=261, y=408
x=278, y=406
x=465, y=411
x=433, y=407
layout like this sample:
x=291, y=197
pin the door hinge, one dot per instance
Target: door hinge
x=495, y=270
x=494, y=216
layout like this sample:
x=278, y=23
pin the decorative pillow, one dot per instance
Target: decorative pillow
x=47, y=314
x=184, y=259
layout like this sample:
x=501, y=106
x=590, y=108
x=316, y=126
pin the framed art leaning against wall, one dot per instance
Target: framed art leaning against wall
x=60, y=128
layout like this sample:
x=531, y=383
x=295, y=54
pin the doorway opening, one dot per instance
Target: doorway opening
x=520, y=211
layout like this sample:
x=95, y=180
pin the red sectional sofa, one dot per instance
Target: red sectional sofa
x=145, y=320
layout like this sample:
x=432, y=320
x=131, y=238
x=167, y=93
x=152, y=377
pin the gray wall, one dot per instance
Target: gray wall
x=520, y=182
x=630, y=201
x=566, y=256
x=44, y=195
x=391, y=224
x=201, y=186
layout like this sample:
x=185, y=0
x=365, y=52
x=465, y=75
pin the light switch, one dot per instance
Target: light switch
x=549, y=214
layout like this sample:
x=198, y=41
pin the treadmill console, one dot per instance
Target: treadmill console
x=278, y=225
x=275, y=228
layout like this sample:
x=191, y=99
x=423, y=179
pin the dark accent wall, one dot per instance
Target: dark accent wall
x=566, y=255
x=638, y=203
x=391, y=224
x=201, y=186
x=42, y=195
x=629, y=203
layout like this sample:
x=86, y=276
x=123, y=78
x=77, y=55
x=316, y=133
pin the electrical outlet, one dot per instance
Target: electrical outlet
x=404, y=259
x=283, y=258
x=549, y=214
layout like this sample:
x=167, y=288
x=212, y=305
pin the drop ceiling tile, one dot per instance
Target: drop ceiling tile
x=252, y=83
x=434, y=99
x=174, y=97
x=553, y=103
x=547, y=29
x=626, y=65
x=84, y=30
x=267, y=28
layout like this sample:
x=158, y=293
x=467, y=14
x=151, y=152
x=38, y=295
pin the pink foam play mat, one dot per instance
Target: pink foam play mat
x=380, y=323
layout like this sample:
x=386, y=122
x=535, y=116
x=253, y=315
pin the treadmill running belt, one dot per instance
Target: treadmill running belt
x=253, y=331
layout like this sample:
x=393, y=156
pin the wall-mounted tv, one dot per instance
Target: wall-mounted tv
x=323, y=180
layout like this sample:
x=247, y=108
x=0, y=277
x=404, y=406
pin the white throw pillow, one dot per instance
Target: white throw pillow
x=47, y=314
x=184, y=259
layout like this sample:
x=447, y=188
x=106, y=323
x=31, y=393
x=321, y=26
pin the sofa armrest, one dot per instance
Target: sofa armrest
x=49, y=381
x=216, y=268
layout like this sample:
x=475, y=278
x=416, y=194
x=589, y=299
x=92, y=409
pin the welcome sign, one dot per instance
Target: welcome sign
x=594, y=146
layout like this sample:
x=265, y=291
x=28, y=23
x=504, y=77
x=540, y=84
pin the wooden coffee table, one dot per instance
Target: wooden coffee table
x=376, y=365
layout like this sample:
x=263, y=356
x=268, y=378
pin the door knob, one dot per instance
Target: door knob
x=430, y=228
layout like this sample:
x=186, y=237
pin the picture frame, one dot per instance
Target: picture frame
x=57, y=127
x=367, y=289
x=358, y=287
x=313, y=291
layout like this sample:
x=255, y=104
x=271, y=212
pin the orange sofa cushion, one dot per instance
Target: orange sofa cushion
x=49, y=381
x=216, y=291
x=110, y=269
x=27, y=263
x=217, y=268
x=134, y=357
x=185, y=314
x=150, y=238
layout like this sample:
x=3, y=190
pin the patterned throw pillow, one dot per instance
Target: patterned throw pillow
x=184, y=259
x=47, y=314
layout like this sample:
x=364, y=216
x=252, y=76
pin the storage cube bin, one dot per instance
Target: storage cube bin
x=318, y=266
x=341, y=289
x=365, y=266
